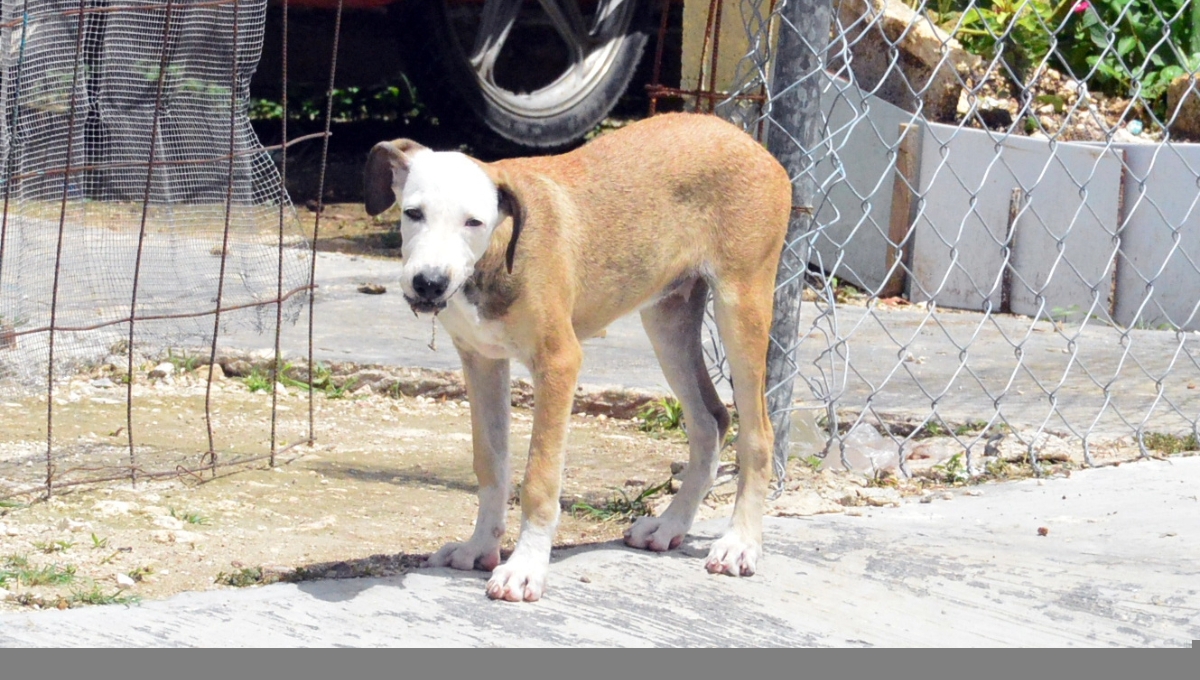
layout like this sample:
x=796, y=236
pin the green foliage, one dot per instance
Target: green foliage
x=258, y=381
x=391, y=103
x=190, y=517
x=1119, y=47
x=17, y=569
x=183, y=363
x=664, y=415
x=954, y=470
x=620, y=506
x=94, y=595
x=242, y=578
x=1170, y=444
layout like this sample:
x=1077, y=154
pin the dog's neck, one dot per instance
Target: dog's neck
x=491, y=289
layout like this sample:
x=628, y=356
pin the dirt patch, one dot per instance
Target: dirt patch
x=389, y=480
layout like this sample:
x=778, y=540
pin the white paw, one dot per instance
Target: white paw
x=655, y=533
x=733, y=555
x=518, y=580
x=467, y=556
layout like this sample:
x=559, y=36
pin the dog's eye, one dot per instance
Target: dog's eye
x=414, y=214
x=474, y=223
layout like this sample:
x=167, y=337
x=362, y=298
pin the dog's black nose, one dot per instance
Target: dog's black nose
x=431, y=286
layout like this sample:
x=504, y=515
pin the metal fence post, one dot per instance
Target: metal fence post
x=794, y=126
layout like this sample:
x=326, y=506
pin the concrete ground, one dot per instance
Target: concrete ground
x=1116, y=567
x=1092, y=379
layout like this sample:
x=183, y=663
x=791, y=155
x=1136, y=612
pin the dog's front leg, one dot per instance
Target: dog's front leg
x=488, y=388
x=555, y=368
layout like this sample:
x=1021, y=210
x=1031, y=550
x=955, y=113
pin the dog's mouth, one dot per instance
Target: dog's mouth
x=425, y=306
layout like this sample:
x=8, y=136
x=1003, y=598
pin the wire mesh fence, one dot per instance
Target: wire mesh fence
x=141, y=214
x=1003, y=249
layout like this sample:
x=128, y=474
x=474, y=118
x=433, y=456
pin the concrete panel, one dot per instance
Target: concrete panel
x=1158, y=281
x=855, y=174
x=1062, y=204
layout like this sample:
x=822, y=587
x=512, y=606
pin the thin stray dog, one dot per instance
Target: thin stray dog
x=524, y=258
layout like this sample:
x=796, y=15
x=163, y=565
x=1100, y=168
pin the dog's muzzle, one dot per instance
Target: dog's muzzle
x=429, y=292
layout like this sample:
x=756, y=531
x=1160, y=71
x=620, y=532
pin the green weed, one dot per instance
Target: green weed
x=954, y=470
x=190, y=517
x=664, y=415
x=1170, y=444
x=620, y=506
x=95, y=595
x=17, y=569
x=242, y=578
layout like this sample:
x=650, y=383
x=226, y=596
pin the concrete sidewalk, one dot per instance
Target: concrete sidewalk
x=1095, y=379
x=1119, y=566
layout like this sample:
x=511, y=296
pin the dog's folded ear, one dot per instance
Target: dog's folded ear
x=387, y=168
x=510, y=205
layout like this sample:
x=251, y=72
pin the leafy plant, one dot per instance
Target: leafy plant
x=190, y=517
x=18, y=569
x=183, y=363
x=1119, y=47
x=1170, y=444
x=620, y=506
x=242, y=578
x=53, y=546
x=664, y=415
x=258, y=381
x=95, y=595
x=954, y=470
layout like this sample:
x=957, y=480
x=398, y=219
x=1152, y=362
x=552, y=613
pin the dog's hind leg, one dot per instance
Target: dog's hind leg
x=674, y=326
x=488, y=388
x=743, y=313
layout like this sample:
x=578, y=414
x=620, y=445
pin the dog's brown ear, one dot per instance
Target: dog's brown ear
x=510, y=205
x=387, y=166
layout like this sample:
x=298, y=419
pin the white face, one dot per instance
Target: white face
x=449, y=210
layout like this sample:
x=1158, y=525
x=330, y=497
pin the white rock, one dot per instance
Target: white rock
x=68, y=524
x=6, y=530
x=167, y=522
x=124, y=581
x=188, y=537
x=103, y=383
x=4, y=594
x=111, y=508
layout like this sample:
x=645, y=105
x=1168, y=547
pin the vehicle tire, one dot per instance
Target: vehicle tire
x=540, y=73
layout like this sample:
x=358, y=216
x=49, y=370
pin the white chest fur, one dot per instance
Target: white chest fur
x=486, y=337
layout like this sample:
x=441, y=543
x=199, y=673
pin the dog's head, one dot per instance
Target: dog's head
x=450, y=206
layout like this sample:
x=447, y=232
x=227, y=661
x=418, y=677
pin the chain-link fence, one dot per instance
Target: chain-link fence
x=995, y=226
x=993, y=242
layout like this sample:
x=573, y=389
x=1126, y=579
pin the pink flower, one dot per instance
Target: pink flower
x=1081, y=6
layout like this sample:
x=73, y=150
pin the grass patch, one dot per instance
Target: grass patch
x=242, y=578
x=954, y=470
x=1170, y=444
x=620, y=506
x=95, y=595
x=183, y=362
x=664, y=415
x=49, y=547
x=190, y=517
x=258, y=381
x=17, y=569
